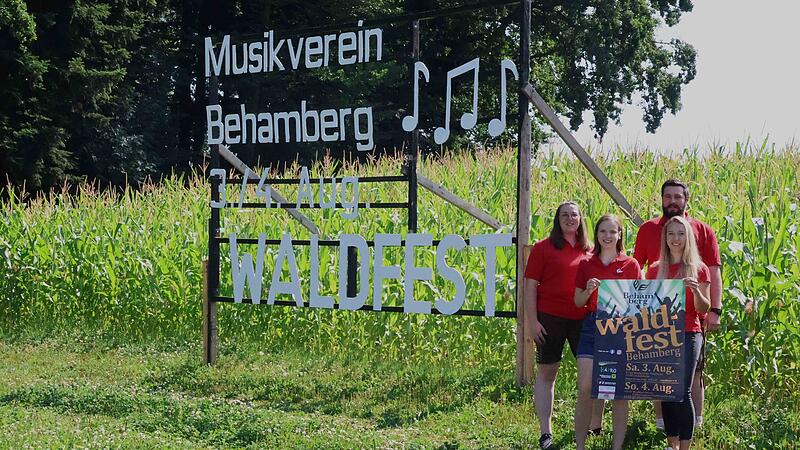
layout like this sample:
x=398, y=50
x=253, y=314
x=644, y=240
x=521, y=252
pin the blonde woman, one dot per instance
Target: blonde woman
x=680, y=259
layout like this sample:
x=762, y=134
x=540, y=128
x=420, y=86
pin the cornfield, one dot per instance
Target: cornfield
x=126, y=266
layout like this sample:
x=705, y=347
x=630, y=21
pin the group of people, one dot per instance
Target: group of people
x=563, y=274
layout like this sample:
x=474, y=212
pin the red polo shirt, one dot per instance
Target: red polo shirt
x=648, y=242
x=622, y=267
x=555, y=270
x=703, y=276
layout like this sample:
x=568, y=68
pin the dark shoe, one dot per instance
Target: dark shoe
x=595, y=431
x=546, y=441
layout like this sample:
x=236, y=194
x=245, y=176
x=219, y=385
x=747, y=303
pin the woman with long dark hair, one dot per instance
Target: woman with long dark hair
x=554, y=319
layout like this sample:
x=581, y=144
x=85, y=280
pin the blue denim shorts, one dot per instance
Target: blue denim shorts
x=586, y=343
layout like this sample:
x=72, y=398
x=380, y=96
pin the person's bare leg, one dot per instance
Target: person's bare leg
x=698, y=397
x=659, y=415
x=619, y=416
x=686, y=444
x=583, y=407
x=673, y=442
x=598, y=407
x=543, y=395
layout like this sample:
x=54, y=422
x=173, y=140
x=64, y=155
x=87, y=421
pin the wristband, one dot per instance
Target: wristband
x=717, y=311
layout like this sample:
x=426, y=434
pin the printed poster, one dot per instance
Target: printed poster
x=639, y=335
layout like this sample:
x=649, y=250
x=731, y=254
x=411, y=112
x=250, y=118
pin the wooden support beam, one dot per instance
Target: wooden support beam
x=412, y=151
x=550, y=116
x=211, y=266
x=210, y=339
x=460, y=203
x=527, y=330
x=239, y=165
x=524, y=362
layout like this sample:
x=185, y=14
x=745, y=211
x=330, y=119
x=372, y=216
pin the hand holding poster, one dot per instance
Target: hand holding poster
x=639, y=339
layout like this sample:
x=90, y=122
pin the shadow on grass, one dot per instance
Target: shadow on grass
x=215, y=422
x=393, y=395
x=642, y=434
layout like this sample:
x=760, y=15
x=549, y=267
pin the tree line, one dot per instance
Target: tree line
x=115, y=91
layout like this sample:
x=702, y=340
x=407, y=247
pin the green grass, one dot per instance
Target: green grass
x=60, y=393
x=110, y=272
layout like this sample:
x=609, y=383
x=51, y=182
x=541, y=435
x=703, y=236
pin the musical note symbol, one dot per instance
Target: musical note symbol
x=410, y=122
x=497, y=126
x=469, y=119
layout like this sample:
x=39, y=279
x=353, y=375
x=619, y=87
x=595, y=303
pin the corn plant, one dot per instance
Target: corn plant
x=126, y=266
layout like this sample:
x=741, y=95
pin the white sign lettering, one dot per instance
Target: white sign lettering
x=244, y=272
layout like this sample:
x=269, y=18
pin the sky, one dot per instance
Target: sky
x=747, y=83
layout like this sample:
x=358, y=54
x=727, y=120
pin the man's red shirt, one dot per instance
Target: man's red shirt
x=648, y=242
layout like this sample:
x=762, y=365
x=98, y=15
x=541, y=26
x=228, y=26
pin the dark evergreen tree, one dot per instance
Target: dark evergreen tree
x=32, y=143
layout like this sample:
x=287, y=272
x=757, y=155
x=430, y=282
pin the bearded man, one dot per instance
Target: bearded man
x=674, y=199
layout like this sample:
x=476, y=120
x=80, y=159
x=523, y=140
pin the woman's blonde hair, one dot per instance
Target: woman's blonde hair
x=690, y=258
